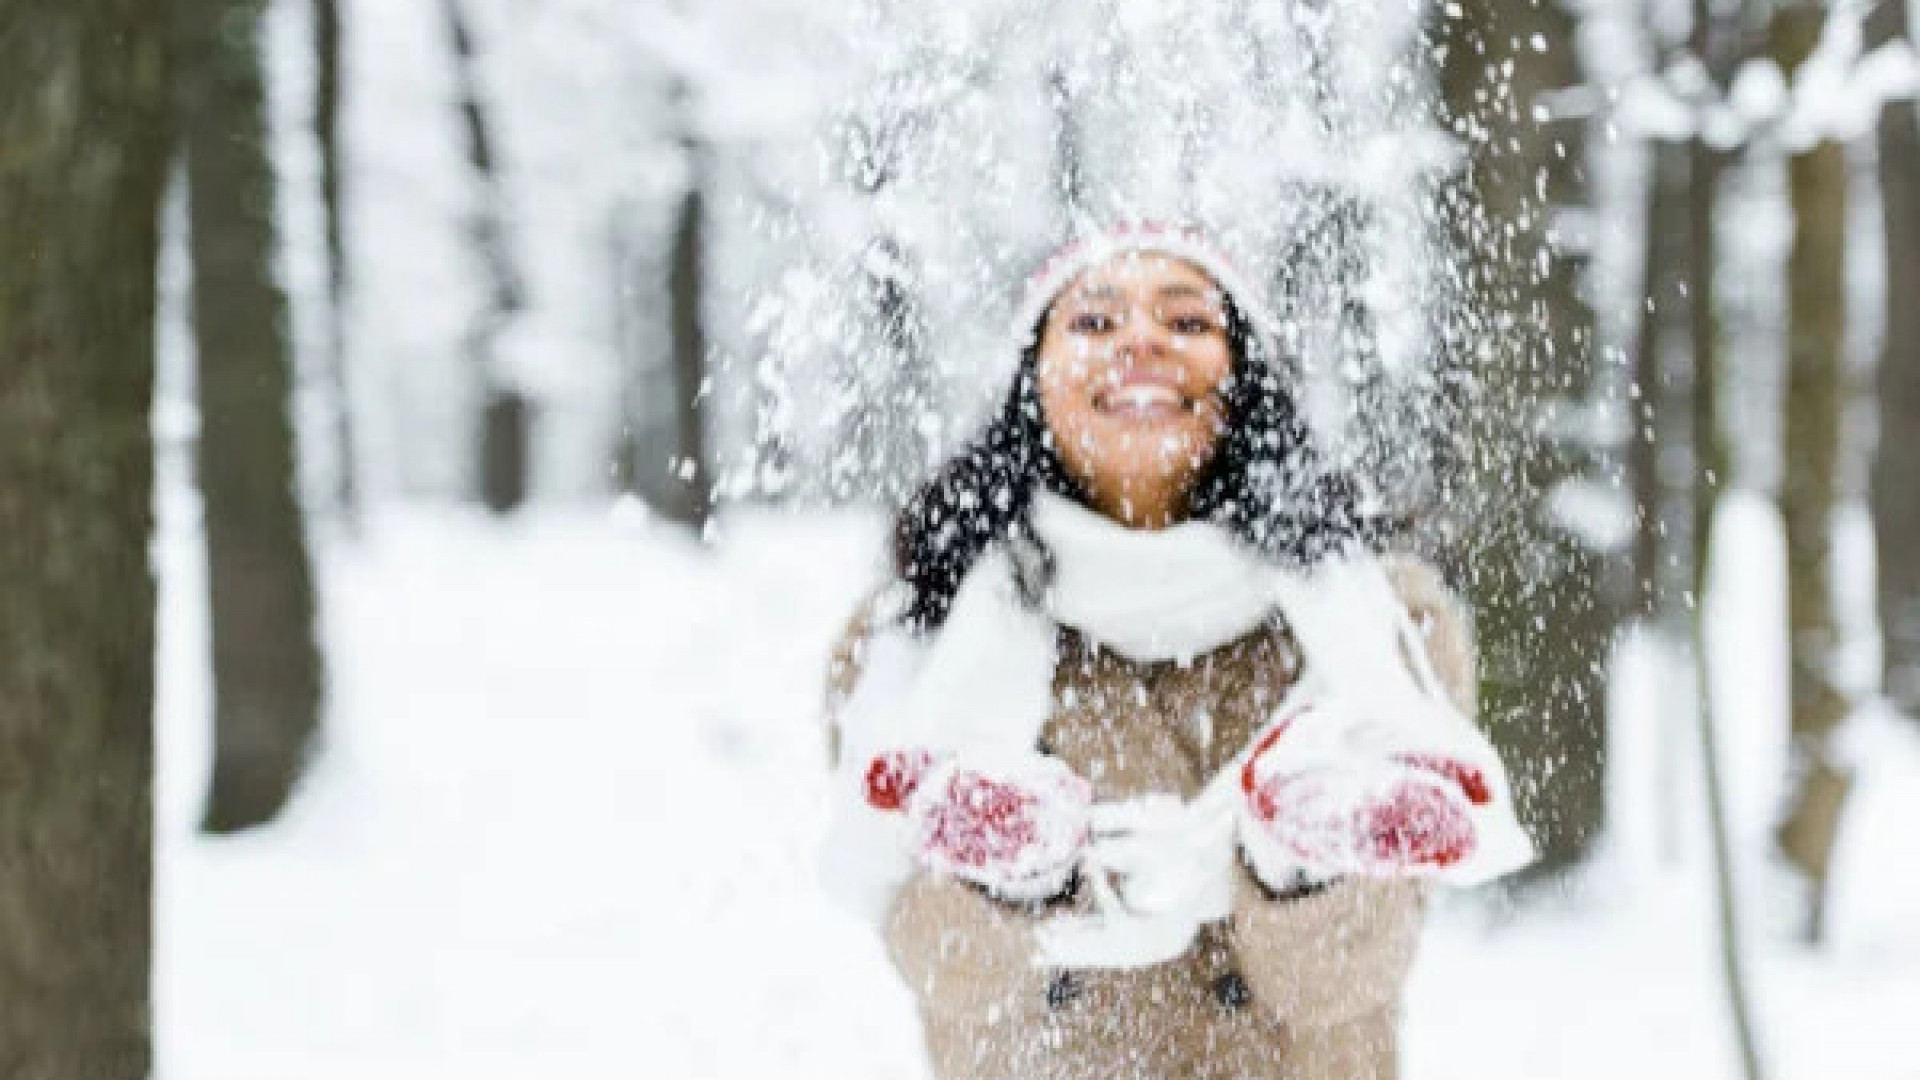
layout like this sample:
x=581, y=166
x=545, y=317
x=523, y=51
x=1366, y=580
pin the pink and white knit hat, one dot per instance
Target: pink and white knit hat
x=1091, y=249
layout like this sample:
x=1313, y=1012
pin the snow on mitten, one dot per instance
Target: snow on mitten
x=1014, y=826
x=1326, y=814
x=1393, y=821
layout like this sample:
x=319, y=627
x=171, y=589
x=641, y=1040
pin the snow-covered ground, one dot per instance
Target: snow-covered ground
x=563, y=827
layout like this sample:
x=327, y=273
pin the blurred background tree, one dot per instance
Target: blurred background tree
x=329, y=50
x=268, y=680
x=1816, y=390
x=1545, y=615
x=686, y=493
x=1895, y=498
x=83, y=152
x=506, y=413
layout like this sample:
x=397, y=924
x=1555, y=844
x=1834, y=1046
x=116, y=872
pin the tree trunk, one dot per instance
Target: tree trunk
x=629, y=474
x=1710, y=42
x=266, y=665
x=1816, y=336
x=1661, y=332
x=83, y=145
x=686, y=292
x=647, y=442
x=326, y=130
x=506, y=419
x=1896, y=494
x=1544, y=621
x=1659, y=424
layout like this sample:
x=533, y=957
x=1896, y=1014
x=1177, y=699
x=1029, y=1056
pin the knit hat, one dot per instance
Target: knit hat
x=1179, y=241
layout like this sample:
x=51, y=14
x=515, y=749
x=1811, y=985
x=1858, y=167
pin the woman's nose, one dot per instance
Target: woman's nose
x=1141, y=335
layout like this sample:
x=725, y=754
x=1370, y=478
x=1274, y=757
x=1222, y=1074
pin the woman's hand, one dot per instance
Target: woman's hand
x=1015, y=826
x=1326, y=814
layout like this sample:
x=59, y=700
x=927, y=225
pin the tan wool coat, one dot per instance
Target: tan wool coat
x=1305, y=988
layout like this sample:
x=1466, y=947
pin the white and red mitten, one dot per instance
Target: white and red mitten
x=1324, y=814
x=1015, y=825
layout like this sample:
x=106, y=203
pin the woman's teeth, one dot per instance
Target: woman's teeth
x=1145, y=399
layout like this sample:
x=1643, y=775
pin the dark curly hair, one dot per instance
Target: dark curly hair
x=1266, y=483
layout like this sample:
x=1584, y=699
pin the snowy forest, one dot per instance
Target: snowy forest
x=445, y=439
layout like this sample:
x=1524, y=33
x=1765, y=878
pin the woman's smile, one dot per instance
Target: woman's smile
x=1145, y=396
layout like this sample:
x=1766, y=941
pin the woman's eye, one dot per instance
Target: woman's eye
x=1090, y=322
x=1193, y=324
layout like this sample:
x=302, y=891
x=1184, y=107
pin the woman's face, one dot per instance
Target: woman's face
x=1132, y=364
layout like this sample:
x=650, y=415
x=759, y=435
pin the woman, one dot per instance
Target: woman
x=1105, y=831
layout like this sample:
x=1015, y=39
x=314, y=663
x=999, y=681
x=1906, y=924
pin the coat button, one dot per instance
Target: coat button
x=1062, y=989
x=1231, y=991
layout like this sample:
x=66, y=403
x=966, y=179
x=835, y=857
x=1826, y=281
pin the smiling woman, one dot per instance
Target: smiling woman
x=1144, y=756
x=1254, y=470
